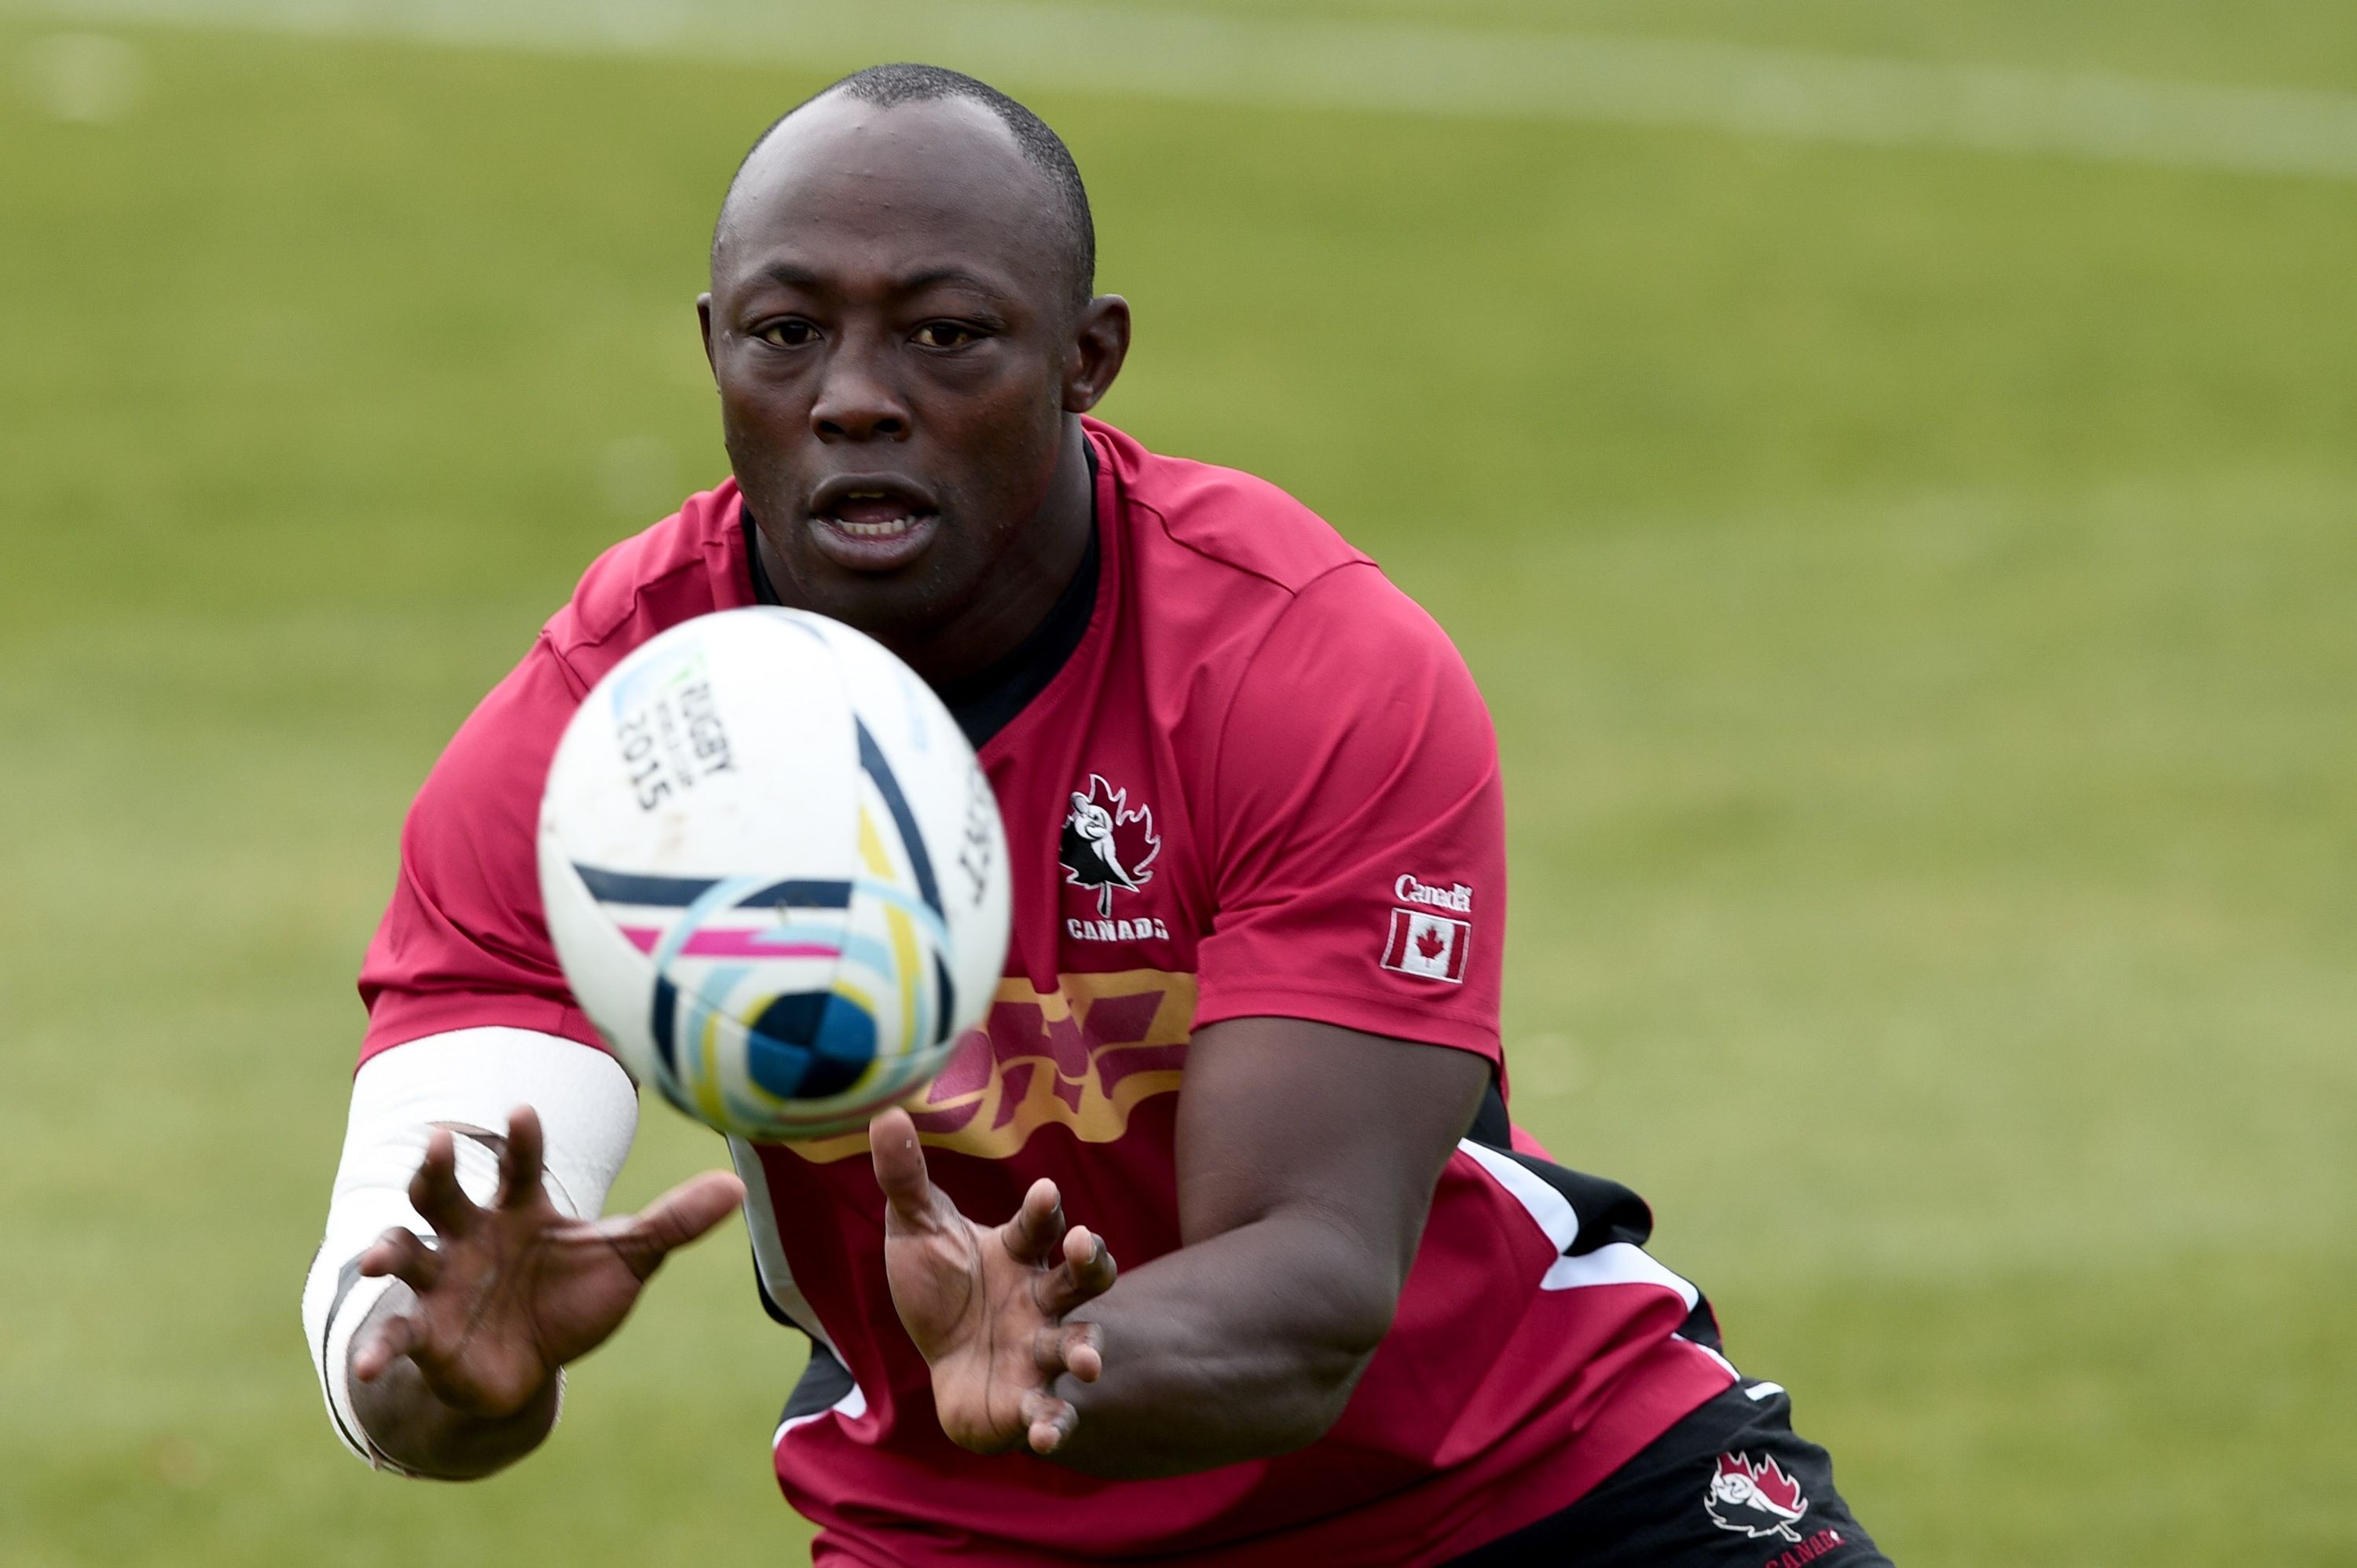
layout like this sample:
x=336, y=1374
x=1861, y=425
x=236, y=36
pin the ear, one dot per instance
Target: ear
x=1100, y=344
x=703, y=321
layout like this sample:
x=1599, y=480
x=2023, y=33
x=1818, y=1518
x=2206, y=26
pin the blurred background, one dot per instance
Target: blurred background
x=1892, y=466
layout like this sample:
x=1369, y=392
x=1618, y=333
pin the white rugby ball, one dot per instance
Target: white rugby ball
x=774, y=873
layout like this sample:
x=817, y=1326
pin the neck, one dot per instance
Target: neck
x=1021, y=589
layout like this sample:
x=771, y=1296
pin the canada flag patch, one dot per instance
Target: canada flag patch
x=1430, y=946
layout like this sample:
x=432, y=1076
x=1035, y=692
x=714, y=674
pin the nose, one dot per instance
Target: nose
x=856, y=400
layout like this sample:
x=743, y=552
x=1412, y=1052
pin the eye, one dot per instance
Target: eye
x=946, y=335
x=791, y=333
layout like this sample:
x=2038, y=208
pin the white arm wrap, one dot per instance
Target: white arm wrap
x=469, y=1077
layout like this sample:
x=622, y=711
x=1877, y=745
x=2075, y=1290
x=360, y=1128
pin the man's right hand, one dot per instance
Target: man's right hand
x=504, y=1296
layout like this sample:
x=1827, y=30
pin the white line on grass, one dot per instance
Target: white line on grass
x=1437, y=70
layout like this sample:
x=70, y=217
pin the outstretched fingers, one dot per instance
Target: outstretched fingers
x=521, y=1160
x=403, y=1256
x=1069, y=1347
x=901, y=1172
x=383, y=1343
x=677, y=1218
x=435, y=1191
x=1038, y=1225
x=1048, y=1422
x=1087, y=1271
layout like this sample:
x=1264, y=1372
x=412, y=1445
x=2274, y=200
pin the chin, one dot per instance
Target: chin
x=893, y=608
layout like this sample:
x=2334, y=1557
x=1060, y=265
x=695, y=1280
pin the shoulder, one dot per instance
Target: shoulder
x=688, y=565
x=1238, y=575
x=1354, y=666
x=1256, y=598
x=489, y=777
x=1221, y=522
x=1353, y=613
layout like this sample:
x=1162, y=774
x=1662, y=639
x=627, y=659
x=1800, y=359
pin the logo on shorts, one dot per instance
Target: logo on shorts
x=1106, y=845
x=1431, y=947
x=1755, y=1499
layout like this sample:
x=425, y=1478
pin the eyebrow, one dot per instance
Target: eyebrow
x=933, y=276
x=794, y=275
x=791, y=276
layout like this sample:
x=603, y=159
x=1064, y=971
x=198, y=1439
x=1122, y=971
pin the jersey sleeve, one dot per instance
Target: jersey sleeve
x=1358, y=828
x=463, y=944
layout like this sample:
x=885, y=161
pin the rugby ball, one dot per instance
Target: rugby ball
x=774, y=873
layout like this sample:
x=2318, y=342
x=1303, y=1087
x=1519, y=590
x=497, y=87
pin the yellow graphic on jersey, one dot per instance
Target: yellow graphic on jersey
x=1082, y=1056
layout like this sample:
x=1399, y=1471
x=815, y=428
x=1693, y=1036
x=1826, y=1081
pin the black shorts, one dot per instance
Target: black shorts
x=1731, y=1486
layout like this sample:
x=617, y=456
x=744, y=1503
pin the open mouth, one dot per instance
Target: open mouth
x=875, y=514
x=872, y=524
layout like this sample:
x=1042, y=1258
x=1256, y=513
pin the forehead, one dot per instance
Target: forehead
x=853, y=193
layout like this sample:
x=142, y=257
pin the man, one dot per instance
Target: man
x=1248, y=1032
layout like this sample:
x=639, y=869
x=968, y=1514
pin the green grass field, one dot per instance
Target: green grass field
x=1917, y=591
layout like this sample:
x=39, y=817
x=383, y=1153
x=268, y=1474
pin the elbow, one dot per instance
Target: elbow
x=1325, y=1395
x=1362, y=1324
x=1335, y=1360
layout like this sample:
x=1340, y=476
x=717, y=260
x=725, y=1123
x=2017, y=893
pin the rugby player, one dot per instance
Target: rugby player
x=1247, y=1039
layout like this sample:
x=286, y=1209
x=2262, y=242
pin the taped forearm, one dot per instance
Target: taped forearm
x=468, y=1081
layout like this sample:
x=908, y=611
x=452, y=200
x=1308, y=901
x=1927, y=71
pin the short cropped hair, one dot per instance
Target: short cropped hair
x=888, y=86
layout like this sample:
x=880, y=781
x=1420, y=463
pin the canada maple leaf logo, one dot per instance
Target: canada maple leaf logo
x=1431, y=943
x=1756, y=1499
x=1107, y=844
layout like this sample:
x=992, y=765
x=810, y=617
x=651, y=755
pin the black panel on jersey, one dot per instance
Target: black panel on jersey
x=822, y=1382
x=1606, y=1211
x=1492, y=1129
x=986, y=701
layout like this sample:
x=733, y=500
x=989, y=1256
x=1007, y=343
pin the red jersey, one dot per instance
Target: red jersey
x=1262, y=783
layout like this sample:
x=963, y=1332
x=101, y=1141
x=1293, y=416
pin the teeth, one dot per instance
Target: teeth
x=888, y=529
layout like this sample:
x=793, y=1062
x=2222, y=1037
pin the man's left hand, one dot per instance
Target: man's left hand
x=987, y=1305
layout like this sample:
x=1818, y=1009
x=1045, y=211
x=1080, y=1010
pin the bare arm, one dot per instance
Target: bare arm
x=1308, y=1157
